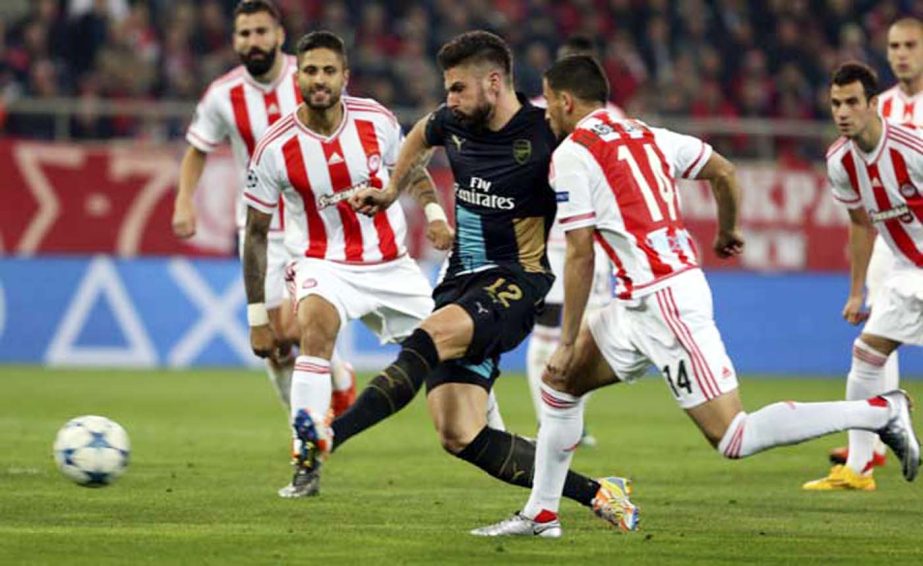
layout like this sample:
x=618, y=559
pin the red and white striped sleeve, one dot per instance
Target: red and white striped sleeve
x=838, y=177
x=208, y=128
x=572, y=182
x=263, y=186
x=686, y=154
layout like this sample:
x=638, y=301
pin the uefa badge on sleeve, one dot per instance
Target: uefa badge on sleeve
x=251, y=179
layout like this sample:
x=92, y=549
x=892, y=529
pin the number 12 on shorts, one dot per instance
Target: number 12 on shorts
x=679, y=380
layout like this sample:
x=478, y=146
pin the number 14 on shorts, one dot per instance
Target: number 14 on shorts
x=678, y=379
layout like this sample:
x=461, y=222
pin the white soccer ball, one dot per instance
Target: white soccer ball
x=93, y=451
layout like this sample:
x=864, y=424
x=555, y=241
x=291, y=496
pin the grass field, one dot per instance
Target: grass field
x=209, y=452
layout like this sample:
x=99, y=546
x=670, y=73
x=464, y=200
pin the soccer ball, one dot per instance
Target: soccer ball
x=91, y=450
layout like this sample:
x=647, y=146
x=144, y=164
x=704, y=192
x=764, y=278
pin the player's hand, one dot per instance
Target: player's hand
x=184, y=218
x=853, y=312
x=559, y=363
x=263, y=341
x=729, y=244
x=440, y=234
x=371, y=201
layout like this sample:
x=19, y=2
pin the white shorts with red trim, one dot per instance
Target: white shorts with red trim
x=881, y=264
x=674, y=329
x=390, y=298
x=277, y=257
x=898, y=310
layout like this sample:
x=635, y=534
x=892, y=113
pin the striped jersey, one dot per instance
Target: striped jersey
x=619, y=176
x=238, y=108
x=895, y=106
x=886, y=183
x=316, y=175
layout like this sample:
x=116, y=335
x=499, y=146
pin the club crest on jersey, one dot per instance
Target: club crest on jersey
x=374, y=163
x=908, y=190
x=522, y=151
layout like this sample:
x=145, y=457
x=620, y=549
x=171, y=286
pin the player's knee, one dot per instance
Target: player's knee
x=455, y=438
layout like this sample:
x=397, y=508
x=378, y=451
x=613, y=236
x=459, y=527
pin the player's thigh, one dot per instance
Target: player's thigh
x=606, y=351
x=401, y=298
x=458, y=413
x=897, y=317
x=502, y=305
x=677, y=332
x=326, y=300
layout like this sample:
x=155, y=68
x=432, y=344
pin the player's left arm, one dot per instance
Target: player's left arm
x=722, y=176
x=423, y=191
x=262, y=339
x=861, y=241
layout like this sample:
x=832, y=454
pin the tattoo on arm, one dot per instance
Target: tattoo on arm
x=423, y=189
x=254, y=260
x=416, y=173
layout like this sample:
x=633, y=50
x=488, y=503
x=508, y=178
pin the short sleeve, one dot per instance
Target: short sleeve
x=841, y=187
x=207, y=129
x=686, y=154
x=394, y=139
x=571, y=180
x=435, y=127
x=262, y=188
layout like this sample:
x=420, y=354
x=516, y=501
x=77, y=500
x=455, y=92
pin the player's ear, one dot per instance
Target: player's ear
x=345, y=78
x=281, y=41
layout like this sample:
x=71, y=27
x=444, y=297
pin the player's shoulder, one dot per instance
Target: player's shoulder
x=225, y=82
x=889, y=94
x=369, y=107
x=837, y=149
x=906, y=136
x=275, y=136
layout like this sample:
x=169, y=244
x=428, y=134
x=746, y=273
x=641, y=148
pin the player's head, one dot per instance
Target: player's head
x=477, y=67
x=853, y=98
x=258, y=35
x=577, y=45
x=572, y=86
x=323, y=69
x=905, y=49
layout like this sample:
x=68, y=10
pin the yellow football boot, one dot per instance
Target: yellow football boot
x=841, y=478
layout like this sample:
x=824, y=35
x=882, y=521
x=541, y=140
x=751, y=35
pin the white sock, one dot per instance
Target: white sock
x=341, y=372
x=542, y=342
x=559, y=435
x=494, y=418
x=892, y=382
x=280, y=376
x=790, y=423
x=865, y=380
x=311, y=387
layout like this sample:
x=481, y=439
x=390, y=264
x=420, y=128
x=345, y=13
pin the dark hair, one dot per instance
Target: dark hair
x=254, y=6
x=577, y=45
x=848, y=73
x=476, y=47
x=322, y=40
x=580, y=75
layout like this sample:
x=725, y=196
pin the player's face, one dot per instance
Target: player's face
x=852, y=112
x=471, y=94
x=905, y=52
x=554, y=111
x=258, y=38
x=322, y=76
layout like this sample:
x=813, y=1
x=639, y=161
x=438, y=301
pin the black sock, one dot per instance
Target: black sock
x=511, y=458
x=391, y=390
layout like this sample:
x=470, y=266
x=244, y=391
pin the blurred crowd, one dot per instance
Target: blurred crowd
x=699, y=58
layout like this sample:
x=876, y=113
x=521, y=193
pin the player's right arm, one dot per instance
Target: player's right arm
x=861, y=241
x=206, y=131
x=190, y=170
x=408, y=171
x=262, y=197
x=721, y=175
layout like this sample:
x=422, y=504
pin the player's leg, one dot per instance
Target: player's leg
x=542, y=342
x=868, y=446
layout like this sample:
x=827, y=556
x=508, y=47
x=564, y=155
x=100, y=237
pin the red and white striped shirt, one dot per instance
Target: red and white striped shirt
x=238, y=108
x=315, y=176
x=897, y=107
x=886, y=182
x=620, y=176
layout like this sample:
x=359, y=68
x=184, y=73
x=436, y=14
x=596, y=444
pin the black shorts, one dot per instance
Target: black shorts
x=503, y=304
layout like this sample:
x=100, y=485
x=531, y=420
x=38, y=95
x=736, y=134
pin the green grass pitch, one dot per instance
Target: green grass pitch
x=209, y=450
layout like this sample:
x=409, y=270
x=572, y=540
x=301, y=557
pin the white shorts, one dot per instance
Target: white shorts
x=898, y=310
x=277, y=257
x=600, y=292
x=391, y=298
x=674, y=329
x=880, y=266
